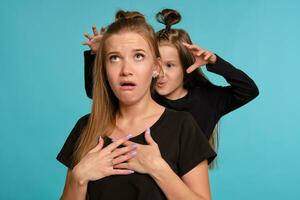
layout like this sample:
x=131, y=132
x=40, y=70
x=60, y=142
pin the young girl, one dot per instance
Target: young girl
x=183, y=86
x=170, y=163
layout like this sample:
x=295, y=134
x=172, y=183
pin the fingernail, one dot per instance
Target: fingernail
x=130, y=171
x=148, y=131
x=129, y=136
x=99, y=137
x=133, y=153
x=134, y=145
x=113, y=139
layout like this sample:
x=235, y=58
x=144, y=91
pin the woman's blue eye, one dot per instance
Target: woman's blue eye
x=139, y=56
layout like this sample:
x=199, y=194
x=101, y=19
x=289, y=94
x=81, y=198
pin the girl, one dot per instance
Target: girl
x=182, y=85
x=170, y=163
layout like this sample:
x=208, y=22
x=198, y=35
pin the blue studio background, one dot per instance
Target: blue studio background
x=42, y=89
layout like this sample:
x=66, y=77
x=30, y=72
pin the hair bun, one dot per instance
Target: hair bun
x=121, y=14
x=168, y=17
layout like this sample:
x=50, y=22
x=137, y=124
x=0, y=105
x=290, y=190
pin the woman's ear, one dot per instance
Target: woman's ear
x=157, y=68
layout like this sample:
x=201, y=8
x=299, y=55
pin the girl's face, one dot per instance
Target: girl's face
x=170, y=83
x=129, y=64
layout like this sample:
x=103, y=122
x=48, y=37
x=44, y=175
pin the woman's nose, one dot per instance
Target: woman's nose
x=125, y=71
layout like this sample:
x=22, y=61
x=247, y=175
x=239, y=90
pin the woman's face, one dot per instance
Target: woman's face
x=129, y=64
x=170, y=83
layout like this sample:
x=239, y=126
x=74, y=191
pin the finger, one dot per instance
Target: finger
x=99, y=146
x=124, y=165
x=127, y=143
x=124, y=158
x=198, y=52
x=122, y=172
x=192, y=47
x=207, y=55
x=148, y=137
x=88, y=36
x=117, y=143
x=120, y=151
x=95, y=31
x=192, y=68
x=86, y=43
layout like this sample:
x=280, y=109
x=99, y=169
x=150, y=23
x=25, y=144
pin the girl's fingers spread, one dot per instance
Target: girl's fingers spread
x=95, y=31
x=86, y=43
x=124, y=158
x=191, y=68
x=208, y=55
x=88, y=36
x=199, y=53
x=122, y=172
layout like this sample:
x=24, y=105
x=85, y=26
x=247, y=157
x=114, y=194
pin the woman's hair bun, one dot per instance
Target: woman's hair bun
x=121, y=14
x=168, y=17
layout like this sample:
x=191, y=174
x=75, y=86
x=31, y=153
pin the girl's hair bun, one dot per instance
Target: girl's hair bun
x=168, y=17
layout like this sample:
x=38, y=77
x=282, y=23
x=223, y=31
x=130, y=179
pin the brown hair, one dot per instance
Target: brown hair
x=105, y=104
x=176, y=37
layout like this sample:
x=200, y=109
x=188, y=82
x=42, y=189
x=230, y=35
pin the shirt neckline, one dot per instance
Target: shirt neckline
x=154, y=126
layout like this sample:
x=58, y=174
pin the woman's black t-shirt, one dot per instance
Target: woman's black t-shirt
x=182, y=145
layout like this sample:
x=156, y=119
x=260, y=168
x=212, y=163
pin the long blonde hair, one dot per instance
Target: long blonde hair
x=105, y=104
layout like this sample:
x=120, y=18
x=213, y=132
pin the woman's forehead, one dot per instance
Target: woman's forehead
x=126, y=41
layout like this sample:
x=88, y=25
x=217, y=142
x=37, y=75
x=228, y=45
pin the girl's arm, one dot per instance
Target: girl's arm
x=242, y=88
x=89, y=60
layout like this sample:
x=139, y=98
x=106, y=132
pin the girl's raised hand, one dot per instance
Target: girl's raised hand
x=202, y=56
x=94, y=41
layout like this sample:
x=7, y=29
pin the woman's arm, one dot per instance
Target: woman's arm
x=73, y=188
x=193, y=185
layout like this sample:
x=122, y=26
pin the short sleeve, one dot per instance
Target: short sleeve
x=193, y=146
x=65, y=156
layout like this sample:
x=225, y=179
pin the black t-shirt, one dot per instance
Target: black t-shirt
x=208, y=102
x=182, y=145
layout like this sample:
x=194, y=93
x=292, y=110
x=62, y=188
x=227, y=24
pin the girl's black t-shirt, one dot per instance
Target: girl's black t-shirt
x=182, y=145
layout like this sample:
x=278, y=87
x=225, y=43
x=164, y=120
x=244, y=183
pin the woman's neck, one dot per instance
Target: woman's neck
x=143, y=107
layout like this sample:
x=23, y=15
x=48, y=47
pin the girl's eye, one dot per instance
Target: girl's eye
x=114, y=58
x=139, y=56
x=169, y=65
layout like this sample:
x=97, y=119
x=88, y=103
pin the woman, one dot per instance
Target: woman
x=183, y=86
x=171, y=162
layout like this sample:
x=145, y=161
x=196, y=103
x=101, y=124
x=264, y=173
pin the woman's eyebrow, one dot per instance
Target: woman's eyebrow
x=112, y=52
x=139, y=50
